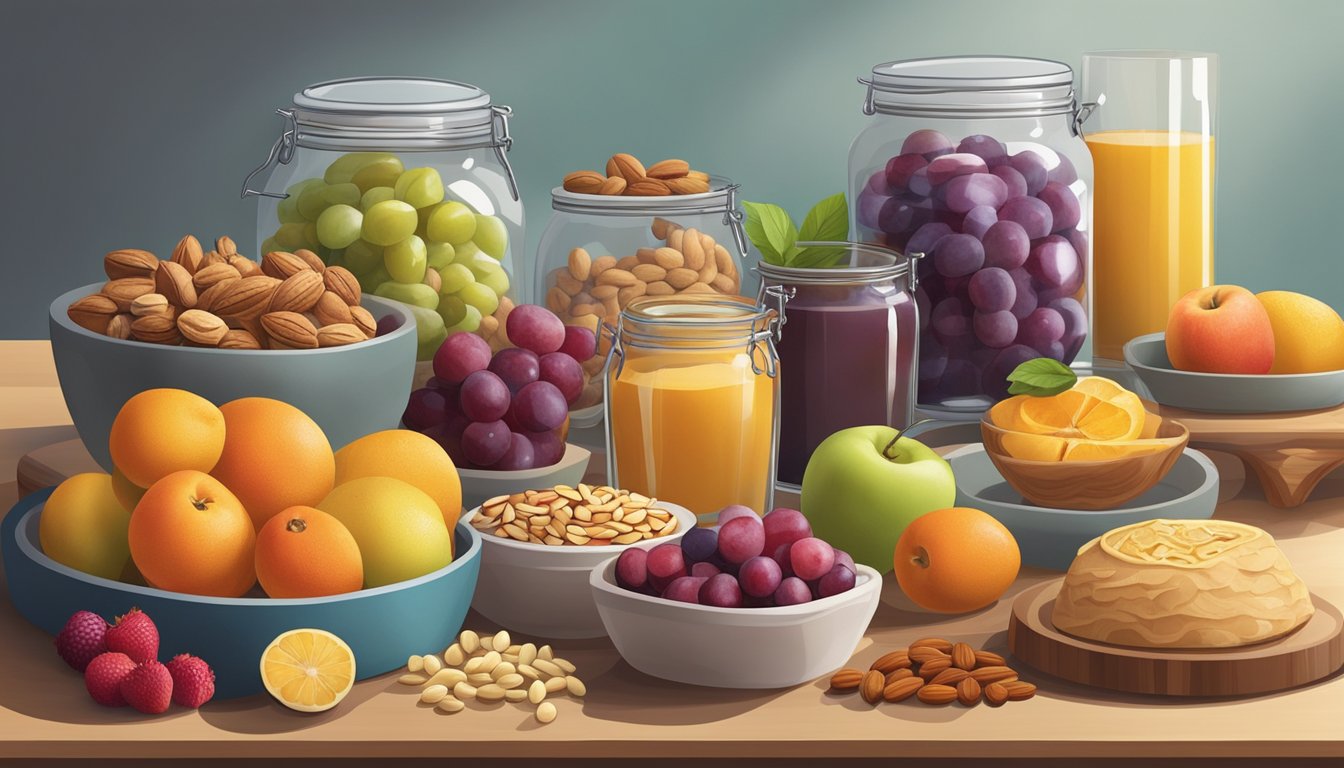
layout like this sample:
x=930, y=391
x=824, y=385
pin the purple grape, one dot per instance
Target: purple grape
x=894, y=240
x=485, y=442
x=580, y=343
x=926, y=142
x=811, y=558
x=536, y=328
x=995, y=329
x=869, y=208
x=424, y=409
x=1012, y=179
x=784, y=526
x=1026, y=299
x=926, y=238
x=898, y=172
x=994, y=381
x=958, y=255
x=978, y=220
x=1063, y=204
x=793, y=591
x=484, y=397
x=919, y=183
x=960, y=379
x=734, y=511
x=520, y=455
x=723, y=565
x=1075, y=324
x=665, y=564
x=838, y=579
x=943, y=169
x=780, y=555
x=1006, y=245
x=842, y=558
x=932, y=358
x=386, y=324
x=721, y=591
x=516, y=367
x=684, y=589
x=1033, y=214
x=966, y=192
x=565, y=373
x=950, y=319
x=760, y=576
x=704, y=569
x=986, y=147
x=877, y=184
x=1078, y=240
x=699, y=544
x=992, y=289
x=898, y=215
x=1064, y=172
x=1041, y=327
x=540, y=407
x=959, y=288
x=461, y=355
x=741, y=539
x=1032, y=168
x=547, y=448
x=632, y=568
x=1053, y=262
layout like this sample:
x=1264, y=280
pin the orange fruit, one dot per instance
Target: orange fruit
x=274, y=457
x=190, y=534
x=161, y=431
x=309, y=670
x=407, y=456
x=127, y=493
x=304, y=552
x=956, y=560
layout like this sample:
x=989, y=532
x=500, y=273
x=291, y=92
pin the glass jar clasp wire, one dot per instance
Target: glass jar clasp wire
x=733, y=217
x=502, y=141
x=282, y=151
x=772, y=332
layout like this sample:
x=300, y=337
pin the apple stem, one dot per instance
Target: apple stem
x=200, y=504
x=921, y=558
x=886, y=452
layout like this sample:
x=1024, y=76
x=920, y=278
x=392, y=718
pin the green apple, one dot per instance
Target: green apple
x=859, y=495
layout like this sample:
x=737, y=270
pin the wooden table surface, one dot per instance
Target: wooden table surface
x=44, y=711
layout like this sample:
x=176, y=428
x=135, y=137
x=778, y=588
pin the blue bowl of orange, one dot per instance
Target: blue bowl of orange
x=383, y=626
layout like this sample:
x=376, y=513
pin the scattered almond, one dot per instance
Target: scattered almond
x=937, y=695
x=936, y=677
x=968, y=692
x=902, y=689
x=93, y=313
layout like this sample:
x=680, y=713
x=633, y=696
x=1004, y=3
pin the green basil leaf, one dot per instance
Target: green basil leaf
x=818, y=257
x=828, y=220
x=1041, y=377
x=770, y=230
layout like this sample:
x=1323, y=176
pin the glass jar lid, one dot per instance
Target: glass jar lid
x=691, y=318
x=393, y=113
x=721, y=198
x=970, y=86
x=864, y=263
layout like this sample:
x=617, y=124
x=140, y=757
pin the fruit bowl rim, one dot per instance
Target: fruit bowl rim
x=572, y=455
x=1150, y=338
x=685, y=521
x=1183, y=441
x=61, y=304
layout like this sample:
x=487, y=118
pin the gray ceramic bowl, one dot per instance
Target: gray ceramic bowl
x=349, y=391
x=1226, y=392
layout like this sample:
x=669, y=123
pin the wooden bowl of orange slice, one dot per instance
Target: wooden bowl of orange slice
x=1091, y=447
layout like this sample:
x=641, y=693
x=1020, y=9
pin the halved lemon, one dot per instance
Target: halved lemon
x=309, y=670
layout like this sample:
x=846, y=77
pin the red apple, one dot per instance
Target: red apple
x=1220, y=329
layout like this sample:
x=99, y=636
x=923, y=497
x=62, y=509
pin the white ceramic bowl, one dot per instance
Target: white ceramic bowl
x=541, y=590
x=481, y=484
x=734, y=647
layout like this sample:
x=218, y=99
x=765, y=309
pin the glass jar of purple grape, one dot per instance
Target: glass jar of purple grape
x=849, y=357
x=977, y=162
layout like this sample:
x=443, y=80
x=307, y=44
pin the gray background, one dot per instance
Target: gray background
x=130, y=123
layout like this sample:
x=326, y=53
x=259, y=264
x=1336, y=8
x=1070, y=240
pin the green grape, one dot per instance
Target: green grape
x=480, y=296
x=338, y=226
x=482, y=265
x=336, y=258
x=415, y=294
x=312, y=201
x=470, y=323
x=369, y=281
x=322, y=251
x=421, y=187
x=388, y=222
x=268, y=245
x=451, y=222
x=439, y=255
x=362, y=257
x=343, y=169
x=405, y=260
x=454, y=277
x=342, y=194
x=310, y=240
x=287, y=210
x=452, y=310
x=375, y=195
x=382, y=172
x=491, y=235
x=466, y=253
x=497, y=281
x=429, y=332
x=288, y=237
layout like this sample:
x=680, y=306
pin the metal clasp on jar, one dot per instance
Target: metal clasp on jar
x=282, y=151
x=772, y=332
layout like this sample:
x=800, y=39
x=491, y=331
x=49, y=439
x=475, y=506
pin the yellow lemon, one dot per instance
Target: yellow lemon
x=84, y=526
x=408, y=456
x=309, y=670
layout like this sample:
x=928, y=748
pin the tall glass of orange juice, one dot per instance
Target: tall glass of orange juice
x=692, y=401
x=1151, y=135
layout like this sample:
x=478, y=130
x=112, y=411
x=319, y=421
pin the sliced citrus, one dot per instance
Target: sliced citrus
x=1056, y=414
x=1029, y=447
x=309, y=670
x=1100, y=387
x=1093, y=450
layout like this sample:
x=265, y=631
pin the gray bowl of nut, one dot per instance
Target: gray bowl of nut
x=348, y=380
x=538, y=584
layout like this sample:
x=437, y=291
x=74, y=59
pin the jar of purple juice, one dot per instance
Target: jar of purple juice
x=977, y=161
x=848, y=358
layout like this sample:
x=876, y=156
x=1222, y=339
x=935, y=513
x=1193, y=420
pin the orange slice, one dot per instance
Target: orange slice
x=1093, y=450
x=309, y=670
x=1029, y=447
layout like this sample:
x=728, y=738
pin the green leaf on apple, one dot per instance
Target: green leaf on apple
x=1041, y=377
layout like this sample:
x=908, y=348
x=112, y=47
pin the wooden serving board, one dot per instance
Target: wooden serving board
x=1290, y=453
x=1312, y=652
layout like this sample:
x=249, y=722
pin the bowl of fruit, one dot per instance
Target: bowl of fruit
x=502, y=415
x=757, y=602
x=539, y=547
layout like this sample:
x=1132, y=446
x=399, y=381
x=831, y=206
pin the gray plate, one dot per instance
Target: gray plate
x=1226, y=392
x=1050, y=538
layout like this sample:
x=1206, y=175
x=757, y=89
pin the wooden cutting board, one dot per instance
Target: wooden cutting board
x=1312, y=652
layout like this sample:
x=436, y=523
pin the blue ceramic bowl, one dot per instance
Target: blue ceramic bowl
x=383, y=626
x=350, y=391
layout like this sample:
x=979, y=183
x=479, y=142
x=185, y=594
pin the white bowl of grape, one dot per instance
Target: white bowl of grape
x=756, y=602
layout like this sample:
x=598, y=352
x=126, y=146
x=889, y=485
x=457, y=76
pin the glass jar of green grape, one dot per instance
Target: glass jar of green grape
x=405, y=182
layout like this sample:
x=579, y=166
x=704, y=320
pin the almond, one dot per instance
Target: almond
x=313, y=261
x=724, y=261
x=580, y=263
x=129, y=262
x=963, y=656
x=331, y=309
x=680, y=278
x=207, y=276
x=661, y=227
x=701, y=175
x=659, y=288
x=995, y=694
x=201, y=327
x=206, y=299
x=225, y=246
x=626, y=166
x=629, y=292
x=627, y=263
x=212, y=258
x=871, y=687
x=986, y=675
x=647, y=188
x=669, y=258
x=921, y=654
x=282, y=264
x=936, y=643
x=949, y=676
x=120, y=327
x=239, y=339
x=697, y=288
x=937, y=695
x=289, y=330
x=343, y=283
x=124, y=290
x=149, y=304
x=614, y=185
x=297, y=293
x=668, y=169
x=174, y=281
x=246, y=298
x=1018, y=690
x=188, y=254
x=557, y=300
x=930, y=669
x=601, y=264
x=363, y=319
x=901, y=674
x=988, y=659
x=566, y=282
x=93, y=313
x=693, y=249
x=584, y=182
x=604, y=292
x=617, y=277
x=157, y=329
x=245, y=266
x=339, y=334
x=724, y=284
x=846, y=679
x=968, y=692
x=902, y=689
x=646, y=255
x=687, y=186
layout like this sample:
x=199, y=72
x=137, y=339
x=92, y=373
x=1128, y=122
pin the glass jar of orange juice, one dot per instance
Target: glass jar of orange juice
x=692, y=400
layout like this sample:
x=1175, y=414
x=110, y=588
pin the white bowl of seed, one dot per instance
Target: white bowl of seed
x=538, y=548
